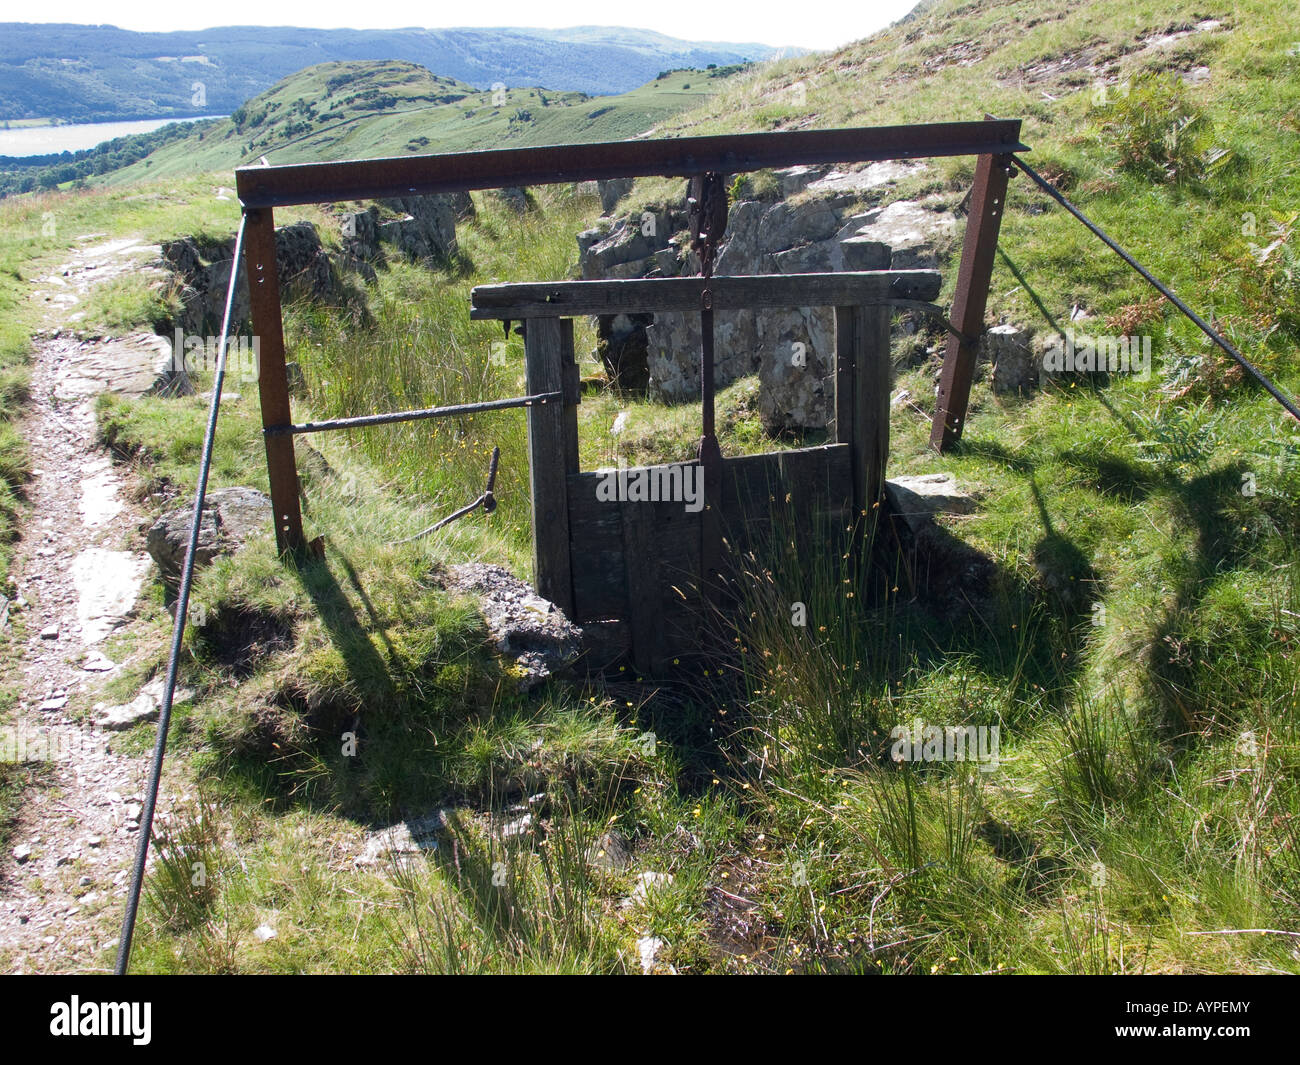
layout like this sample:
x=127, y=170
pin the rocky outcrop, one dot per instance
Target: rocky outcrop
x=821, y=229
x=230, y=517
x=523, y=625
x=415, y=228
x=790, y=350
x=612, y=191
x=202, y=269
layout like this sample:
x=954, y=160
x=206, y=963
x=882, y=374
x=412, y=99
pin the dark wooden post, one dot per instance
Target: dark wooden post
x=272, y=380
x=843, y=375
x=863, y=380
x=552, y=449
x=988, y=198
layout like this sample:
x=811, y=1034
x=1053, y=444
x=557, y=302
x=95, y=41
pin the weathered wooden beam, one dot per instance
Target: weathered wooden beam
x=873, y=380
x=843, y=376
x=272, y=378
x=366, y=179
x=862, y=340
x=572, y=396
x=574, y=298
x=548, y=451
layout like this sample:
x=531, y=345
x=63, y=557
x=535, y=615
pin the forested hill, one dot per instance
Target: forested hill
x=102, y=73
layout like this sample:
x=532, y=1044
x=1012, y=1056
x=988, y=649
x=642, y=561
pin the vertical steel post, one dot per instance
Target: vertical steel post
x=987, y=202
x=272, y=379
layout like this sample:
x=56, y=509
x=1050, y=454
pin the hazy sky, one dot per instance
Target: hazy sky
x=807, y=23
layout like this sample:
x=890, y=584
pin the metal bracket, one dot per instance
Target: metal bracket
x=487, y=501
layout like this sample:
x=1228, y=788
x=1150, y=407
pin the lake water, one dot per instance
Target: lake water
x=47, y=140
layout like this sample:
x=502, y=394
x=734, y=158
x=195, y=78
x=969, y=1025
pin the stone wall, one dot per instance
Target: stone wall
x=414, y=228
x=824, y=222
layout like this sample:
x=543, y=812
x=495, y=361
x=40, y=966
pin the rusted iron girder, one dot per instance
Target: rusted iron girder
x=988, y=201
x=365, y=179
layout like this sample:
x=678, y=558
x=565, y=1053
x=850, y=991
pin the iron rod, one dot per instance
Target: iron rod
x=178, y=630
x=413, y=415
x=1163, y=289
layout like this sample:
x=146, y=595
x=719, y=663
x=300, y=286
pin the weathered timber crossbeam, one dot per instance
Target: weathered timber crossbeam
x=570, y=299
x=368, y=179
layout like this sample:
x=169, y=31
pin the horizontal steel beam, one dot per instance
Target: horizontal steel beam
x=366, y=420
x=366, y=179
x=568, y=299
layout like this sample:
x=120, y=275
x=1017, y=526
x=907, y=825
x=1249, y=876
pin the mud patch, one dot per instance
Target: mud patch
x=241, y=639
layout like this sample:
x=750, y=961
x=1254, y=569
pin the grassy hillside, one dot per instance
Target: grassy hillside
x=368, y=109
x=1133, y=641
x=101, y=73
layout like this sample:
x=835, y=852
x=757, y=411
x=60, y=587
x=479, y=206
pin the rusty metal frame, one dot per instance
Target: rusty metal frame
x=262, y=188
x=987, y=202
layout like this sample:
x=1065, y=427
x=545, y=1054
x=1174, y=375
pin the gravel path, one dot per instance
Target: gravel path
x=78, y=570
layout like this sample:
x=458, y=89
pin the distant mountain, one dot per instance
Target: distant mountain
x=100, y=73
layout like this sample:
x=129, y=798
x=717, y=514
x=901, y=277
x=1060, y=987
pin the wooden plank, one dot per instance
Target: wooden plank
x=596, y=543
x=544, y=372
x=874, y=378
x=809, y=490
x=649, y=295
x=988, y=198
x=844, y=389
x=644, y=614
x=572, y=396
x=272, y=378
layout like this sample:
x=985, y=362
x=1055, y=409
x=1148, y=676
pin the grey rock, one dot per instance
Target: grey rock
x=515, y=198
x=795, y=179
x=916, y=233
x=117, y=718
x=610, y=852
x=612, y=191
x=588, y=239
x=229, y=518
x=360, y=231
x=517, y=828
x=139, y=364
x=1009, y=350
x=788, y=224
x=425, y=229
x=862, y=253
x=406, y=837
x=629, y=241
x=648, y=949
x=144, y=708
x=202, y=271
x=918, y=499
x=853, y=182
x=523, y=626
